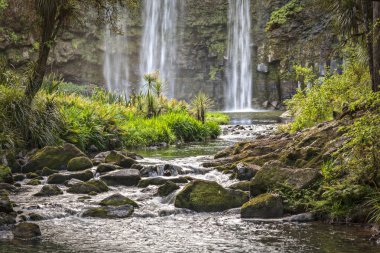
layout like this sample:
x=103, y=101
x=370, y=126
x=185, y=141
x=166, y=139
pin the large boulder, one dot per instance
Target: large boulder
x=120, y=159
x=62, y=178
x=49, y=190
x=274, y=173
x=167, y=188
x=242, y=185
x=6, y=175
x=5, y=203
x=118, y=200
x=79, y=163
x=265, y=206
x=207, y=196
x=110, y=212
x=127, y=177
x=245, y=171
x=88, y=187
x=55, y=158
x=26, y=230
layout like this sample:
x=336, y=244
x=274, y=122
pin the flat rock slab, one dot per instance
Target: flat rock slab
x=127, y=177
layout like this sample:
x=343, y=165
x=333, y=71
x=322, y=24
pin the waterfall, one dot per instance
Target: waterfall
x=115, y=67
x=158, y=49
x=238, y=93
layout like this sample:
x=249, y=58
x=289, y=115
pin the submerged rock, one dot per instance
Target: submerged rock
x=5, y=203
x=88, y=187
x=49, y=190
x=79, y=164
x=72, y=181
x=18, y=177
x=26, y=230
x=207, y=196
x=6, y=175
x=55, y=158
x=7, y=219
x=265, y=206
x=118, y=200
x=62, y=178
x=167, y=188
x=47, y=172
x=126, y=177
x=110, y=212
x=34, y=182
x=303, y=217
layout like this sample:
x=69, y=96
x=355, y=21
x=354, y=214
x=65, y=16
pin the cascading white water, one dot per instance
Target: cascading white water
x=158, y=50
x=115, y=68
x=238, y=93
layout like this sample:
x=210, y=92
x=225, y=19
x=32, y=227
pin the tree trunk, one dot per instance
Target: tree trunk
x=376, y=47
x=367, y=13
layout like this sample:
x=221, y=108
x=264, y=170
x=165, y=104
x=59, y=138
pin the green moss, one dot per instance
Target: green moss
x=263, y=206
x=79, y=163
x=34, y=182
x=88, y=187
x=167, y=188
x=118, y=200
x=281, y=15
x=5, y=174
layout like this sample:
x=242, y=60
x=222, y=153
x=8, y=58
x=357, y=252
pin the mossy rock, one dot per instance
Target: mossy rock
x=6, y=175
x=33, y=175
x=34, y=182
x=243, y=186
x=7, y=219
x=107, y=167
x=62, y=178
x=167, y=188
x=18, y=177
x=26, y=230
x=49, y=190
x=161, y=181
x=110, y=212
x=265, y=206
x=114, y=157
x=47, y=172
x=126, y=177
x=275, y=173
x=79, y=164
x=88, y=187
x=55, y=158
x=207, y=196
x=5, y=203
x=35, y=217
x=118, y=200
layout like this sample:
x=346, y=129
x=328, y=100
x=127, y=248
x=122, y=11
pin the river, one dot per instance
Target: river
x=157, y=226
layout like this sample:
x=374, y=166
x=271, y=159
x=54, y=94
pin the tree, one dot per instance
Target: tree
x=53, y=17
x=360, y=19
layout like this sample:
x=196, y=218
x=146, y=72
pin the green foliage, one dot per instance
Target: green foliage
x=3, y=4
x=200, y=104
x=281, y=15
x=317, y=103
x=218, y=117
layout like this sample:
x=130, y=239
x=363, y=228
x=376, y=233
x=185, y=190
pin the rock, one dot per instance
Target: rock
x=47, y=172
x=6, y=175
x=93, y=149
x=55, y=158
x=246, y=171
x=107, y=167
x=172, y=170
x=265, y=206
x=243, y=186
x=303, y=217
x=7, y=187
x=5, y=203
x=114, y=157
x=18, y=177
x=274, y=173
x=7, y=219
x=79, y=164
x=34, y=182
x=26, y=230
x=207, y=196
x=126, y=177
x=286, y=117
x=32, y=175
x=87, y=187
x=35, y=217
x=61, y=178
x=160, y=181
x=49, y=190
x=72, y=181
x=110, y=212
x=151, y=171
x=118, y=200
x=126, y=162
x=167, y=188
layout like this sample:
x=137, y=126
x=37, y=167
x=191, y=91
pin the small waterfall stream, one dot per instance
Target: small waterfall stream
x=238, y=92
x=115, y=68
x=158, y=50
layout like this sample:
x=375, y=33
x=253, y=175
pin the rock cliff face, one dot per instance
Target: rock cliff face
x=202, y=43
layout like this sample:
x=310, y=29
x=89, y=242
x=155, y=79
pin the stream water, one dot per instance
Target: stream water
x=159, y=227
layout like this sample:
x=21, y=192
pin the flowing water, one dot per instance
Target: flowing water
x=115, y=67
x=157, y=226
x=159, y=46
x=239, y=71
